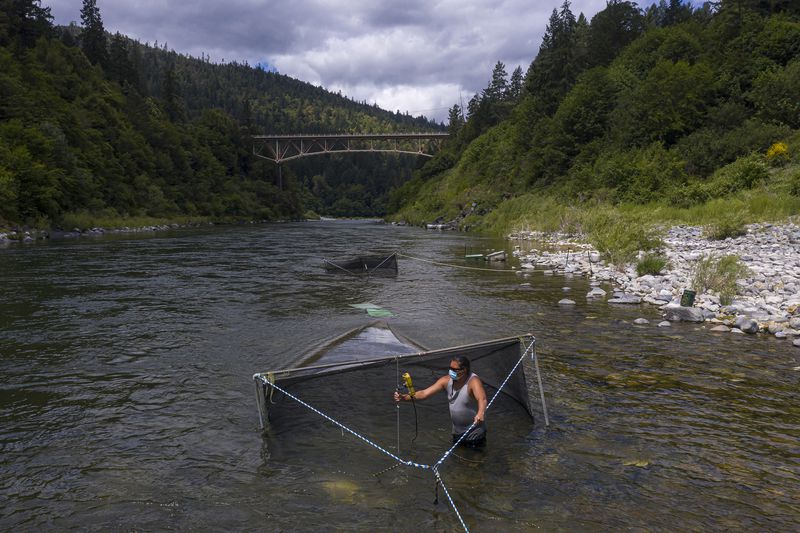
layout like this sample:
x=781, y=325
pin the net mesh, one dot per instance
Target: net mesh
x=384, y=264
x=357, y=383
x=346, y=386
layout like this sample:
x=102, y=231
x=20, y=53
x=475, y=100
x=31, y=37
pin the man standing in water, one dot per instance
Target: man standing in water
x=467, y=400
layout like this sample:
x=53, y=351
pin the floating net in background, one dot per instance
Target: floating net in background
x=350, y=391
x=365, y=264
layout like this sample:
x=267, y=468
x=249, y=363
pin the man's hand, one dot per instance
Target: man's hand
x=478, y=419
x=397, y=396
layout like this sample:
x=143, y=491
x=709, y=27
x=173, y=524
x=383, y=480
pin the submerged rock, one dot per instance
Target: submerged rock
x=566, y=301
x=625, y=299
x=596, y=292
x=747, y=325
x=641, y=321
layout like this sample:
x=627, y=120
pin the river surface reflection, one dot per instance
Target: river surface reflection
x=127, y=401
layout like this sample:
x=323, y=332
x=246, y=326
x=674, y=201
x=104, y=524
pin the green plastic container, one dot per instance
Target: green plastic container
x=687, y=298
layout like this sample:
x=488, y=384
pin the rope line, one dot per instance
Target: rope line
x=435, y=467
x=382, y=262
x=345, y=428
x=456, y=266
x=450, y=499
x=453, y=447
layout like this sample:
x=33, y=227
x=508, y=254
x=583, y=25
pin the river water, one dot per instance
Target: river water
x=126, y=400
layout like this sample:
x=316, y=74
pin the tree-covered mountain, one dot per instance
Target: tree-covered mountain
x=670, y=105
x=105, y=126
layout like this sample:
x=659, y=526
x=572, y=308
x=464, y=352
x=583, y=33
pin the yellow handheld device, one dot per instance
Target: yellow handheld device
x=409, y=385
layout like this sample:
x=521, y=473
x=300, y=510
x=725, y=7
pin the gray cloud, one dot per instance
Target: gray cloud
x=416, y=56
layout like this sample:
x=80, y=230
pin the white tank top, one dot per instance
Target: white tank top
x=463, y=408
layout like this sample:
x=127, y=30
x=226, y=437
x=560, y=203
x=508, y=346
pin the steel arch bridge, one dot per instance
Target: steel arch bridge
x=281, y=148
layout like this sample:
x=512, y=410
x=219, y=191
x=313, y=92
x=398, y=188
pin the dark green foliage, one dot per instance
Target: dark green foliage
x=744, y=173
x=775, y=95
x=22, y=22
x=668, y=13
x=611, y=30
x=147, y=132
x=673, y=105
x=93, y=37
x=670, y=102
x=120, y=66
x=555, y=68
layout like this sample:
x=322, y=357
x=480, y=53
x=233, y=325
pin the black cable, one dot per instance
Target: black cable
x=416, y=426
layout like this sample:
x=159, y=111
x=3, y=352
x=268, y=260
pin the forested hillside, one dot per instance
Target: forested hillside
x=100, y=127
x=667, y=107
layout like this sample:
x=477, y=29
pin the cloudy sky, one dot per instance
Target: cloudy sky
x=419, y=56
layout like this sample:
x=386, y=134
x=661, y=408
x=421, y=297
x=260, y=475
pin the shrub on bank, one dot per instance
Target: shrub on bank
x=730, y=225
x=619, y=237
x=794, y=183
x=719, y=275
x=651, y=264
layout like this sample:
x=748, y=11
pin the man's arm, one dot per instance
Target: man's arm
x=478, y=392
x=439, y=385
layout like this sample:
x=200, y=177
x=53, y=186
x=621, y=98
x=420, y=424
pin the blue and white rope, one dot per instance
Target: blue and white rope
x=345, y=428
x=448, y=452
x=452, y=503
x=435, y=467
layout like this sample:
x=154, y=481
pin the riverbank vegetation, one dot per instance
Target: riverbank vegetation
x=637, y=119
x=96, y=128
x=642, y=117
x=719, y=275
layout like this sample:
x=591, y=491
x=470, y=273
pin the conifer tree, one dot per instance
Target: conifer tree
x=553, y=71
x=93, y=38
x=455, y=120
x=497, y=88
x=23, y=21
x=172, y=98
x=515, y=85
x=120, y=66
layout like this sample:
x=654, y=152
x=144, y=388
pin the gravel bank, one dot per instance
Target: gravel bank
x=768, y=301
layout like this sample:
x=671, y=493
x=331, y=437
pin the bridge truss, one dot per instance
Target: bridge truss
x=281, y=148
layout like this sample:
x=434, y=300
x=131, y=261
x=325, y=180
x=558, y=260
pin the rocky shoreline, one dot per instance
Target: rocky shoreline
x=768, y=300
x=26, y=235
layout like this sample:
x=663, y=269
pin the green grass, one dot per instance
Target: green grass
x=729, y=225
x=620, y=231
x=652, y=263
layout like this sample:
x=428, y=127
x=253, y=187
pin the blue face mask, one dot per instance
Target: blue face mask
x=453, y=375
